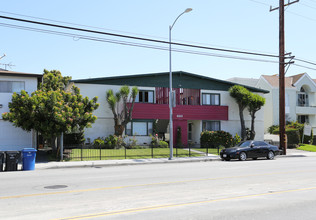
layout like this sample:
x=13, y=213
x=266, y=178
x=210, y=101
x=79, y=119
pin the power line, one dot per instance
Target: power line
x=262, y=3
x=138, y=34
x=307, y=5
x=302, y=16
x=85, y=37
x=137, y=38
x=79, y=25
x=143, y=45
x=313, y=1
x=305, y=61
x=304, y=66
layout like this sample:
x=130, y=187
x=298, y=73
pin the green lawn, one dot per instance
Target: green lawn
x=307, y=147
x=210, y=150
x=115, y=154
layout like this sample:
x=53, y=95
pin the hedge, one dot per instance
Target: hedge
x=213, y=139
x=293, y=137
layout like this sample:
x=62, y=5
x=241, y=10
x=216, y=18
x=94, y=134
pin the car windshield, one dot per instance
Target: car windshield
x=244, y=144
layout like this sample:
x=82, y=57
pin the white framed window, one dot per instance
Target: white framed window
x=139, y=128
x=11, y=86
x=302, y=98
x=211, y=126
x=145, y=96
x=210, y=99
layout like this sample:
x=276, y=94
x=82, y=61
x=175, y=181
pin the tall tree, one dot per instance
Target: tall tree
x=54, y=108
x=121, y=104
x=242, y=97
x=254, y=105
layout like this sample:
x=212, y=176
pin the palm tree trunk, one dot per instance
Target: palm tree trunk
x=119, y=129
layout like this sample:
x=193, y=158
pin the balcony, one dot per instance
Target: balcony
x=180, y=112
x=306, y=110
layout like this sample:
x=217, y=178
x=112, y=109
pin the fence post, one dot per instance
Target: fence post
x=100, y=152
x=206, y=150
x=189, y=151
x=81, y=151
x=152, y=151
x=125, y=152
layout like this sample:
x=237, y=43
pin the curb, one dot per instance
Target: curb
x=129, y=162
x=96, y=164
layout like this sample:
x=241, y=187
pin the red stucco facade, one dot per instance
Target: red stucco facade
x=181, y=114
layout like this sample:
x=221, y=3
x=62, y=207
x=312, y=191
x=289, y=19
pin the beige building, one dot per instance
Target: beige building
x=300, y=98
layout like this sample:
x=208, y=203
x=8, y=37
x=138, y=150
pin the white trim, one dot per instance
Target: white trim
x=261, y=77
x=305, y=74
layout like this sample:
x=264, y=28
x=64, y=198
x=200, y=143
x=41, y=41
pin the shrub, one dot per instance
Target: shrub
x=163, y=144
x=154, y=140
x=212, y=139
x=74, y=138
x=272, y=128
x=110, y=142
x=236, y=140
x=98, y=141
x=294, y=126
x=249, y=134
x=132, y=142
x=293, y=137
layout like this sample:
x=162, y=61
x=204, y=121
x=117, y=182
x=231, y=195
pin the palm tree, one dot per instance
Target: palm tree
x=119, y=105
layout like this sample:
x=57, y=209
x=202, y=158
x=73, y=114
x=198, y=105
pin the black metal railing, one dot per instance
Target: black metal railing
x=91, y=152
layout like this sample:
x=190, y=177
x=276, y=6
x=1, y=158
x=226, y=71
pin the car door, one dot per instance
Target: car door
x=262, y=148
x=251, y=150
x=256, y=149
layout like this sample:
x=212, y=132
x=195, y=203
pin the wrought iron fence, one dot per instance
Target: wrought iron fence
x=91, y=152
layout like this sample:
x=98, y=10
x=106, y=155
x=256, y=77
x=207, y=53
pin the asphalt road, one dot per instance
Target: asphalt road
x=284, y=188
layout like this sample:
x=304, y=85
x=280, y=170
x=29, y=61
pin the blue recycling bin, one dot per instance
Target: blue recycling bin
x=28, y=158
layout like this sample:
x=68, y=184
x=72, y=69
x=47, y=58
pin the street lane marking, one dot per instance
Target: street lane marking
x=142, y=209
x=147, y=184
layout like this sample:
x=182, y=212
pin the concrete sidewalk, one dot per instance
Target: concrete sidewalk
x=103, y=163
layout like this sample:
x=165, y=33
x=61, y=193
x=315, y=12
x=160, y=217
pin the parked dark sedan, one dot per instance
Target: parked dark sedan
x=250, y=149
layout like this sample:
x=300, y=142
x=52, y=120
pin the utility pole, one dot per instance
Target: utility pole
x=282, y=72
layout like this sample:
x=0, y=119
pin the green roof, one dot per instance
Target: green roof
x=180, y=79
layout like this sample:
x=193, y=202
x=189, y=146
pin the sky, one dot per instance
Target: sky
x=245, y=25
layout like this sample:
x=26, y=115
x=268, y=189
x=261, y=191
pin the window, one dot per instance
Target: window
x=211, y=126
x=302, y=119
x=11, y=86
x=145, y=96
x=139, y=128
x=210, y=99
x=259, y=143
x=302, y=98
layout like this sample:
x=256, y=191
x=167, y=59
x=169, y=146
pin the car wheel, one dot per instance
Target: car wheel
x=242, y=156
x=255, y=158
x=270, y=155
x=227, y=159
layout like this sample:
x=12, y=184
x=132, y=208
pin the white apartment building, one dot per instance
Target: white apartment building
x=12, y=138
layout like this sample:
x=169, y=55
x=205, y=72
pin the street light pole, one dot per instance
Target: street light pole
x=170, y=87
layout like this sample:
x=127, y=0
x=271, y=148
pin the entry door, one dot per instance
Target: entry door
x=190, y=131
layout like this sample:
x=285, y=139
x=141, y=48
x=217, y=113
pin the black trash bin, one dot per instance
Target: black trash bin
x=1, y=160
x=11, y=160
